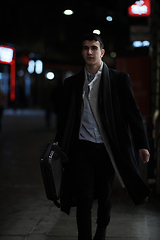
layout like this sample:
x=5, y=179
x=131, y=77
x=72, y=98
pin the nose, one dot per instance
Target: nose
x=89, y=51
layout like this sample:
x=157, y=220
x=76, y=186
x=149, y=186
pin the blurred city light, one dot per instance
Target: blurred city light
x=20, y=73
x=140, y=8
x=109, y=18
x=137, y=44
x=50, y=75
x=30, y=66
x=68, y=12
x=38, y=67
x=113, y=54
x=27, y=85
x=146, y=43
x=6, y=54
x=97, y=31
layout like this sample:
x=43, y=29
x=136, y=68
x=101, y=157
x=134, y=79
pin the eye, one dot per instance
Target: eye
x=85, y=48
x=94, y=47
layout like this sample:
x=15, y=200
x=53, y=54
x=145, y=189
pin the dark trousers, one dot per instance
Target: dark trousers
x=94, y=179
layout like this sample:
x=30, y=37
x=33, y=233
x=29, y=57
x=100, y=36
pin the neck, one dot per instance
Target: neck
x=93, y=69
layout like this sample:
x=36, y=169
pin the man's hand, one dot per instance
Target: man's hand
x=144, y=155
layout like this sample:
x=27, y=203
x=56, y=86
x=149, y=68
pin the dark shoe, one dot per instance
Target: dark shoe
x=100, y=234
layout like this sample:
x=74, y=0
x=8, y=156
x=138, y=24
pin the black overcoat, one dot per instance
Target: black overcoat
x=120, y=115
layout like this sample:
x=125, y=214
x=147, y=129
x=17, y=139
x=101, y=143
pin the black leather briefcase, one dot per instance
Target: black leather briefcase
x=51, y=167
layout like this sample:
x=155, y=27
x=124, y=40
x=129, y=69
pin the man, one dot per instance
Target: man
x=97, y=113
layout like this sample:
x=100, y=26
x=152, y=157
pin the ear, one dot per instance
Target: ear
x=102, y=52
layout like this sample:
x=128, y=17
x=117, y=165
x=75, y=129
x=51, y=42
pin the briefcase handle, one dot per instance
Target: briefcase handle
x=59, y=152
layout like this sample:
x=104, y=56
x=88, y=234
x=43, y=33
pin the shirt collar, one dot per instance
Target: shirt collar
x=91, y=77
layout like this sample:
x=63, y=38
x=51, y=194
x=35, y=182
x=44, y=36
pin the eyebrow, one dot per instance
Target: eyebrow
x=93, y=46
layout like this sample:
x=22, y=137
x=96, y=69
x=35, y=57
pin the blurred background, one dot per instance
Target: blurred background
x=40, y=45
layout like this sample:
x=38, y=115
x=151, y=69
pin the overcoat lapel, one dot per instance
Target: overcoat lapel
x=125, y=165
x=106, y=105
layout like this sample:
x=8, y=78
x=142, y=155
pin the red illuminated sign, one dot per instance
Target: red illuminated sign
x=141, y=8
x=7, y=56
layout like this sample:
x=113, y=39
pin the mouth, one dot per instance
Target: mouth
x=90, y=58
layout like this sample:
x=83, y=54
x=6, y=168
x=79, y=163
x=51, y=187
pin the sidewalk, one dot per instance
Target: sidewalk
x=25, y=212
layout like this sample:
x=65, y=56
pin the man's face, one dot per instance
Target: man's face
x=92, y=53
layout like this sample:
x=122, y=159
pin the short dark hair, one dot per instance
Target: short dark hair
x=93, y=36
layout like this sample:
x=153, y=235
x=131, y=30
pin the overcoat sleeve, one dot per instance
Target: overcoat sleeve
x=68, y=119
x=65, y=100
x=134, y=116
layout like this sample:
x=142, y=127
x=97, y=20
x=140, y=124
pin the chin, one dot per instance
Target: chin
x=90, y=63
